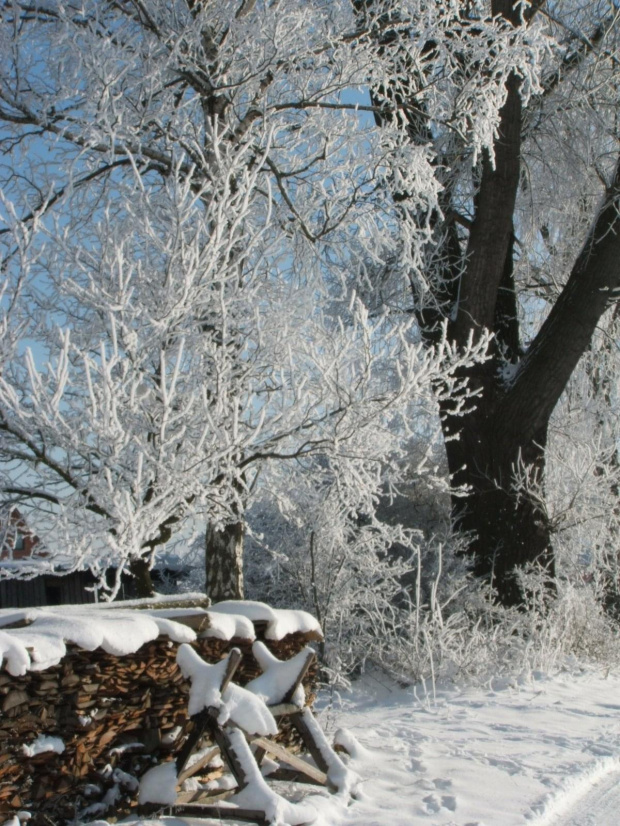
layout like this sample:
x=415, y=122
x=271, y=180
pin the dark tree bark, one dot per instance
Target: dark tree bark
x=141, y=573
x=224, y=562
x=509, y=426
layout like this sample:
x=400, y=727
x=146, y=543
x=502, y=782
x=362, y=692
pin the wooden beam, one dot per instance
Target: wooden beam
x=297, y=763
x=199, y=764
x=203, y=720
x=308, y=738
x=310, y=658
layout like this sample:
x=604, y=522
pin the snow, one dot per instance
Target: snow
x=247, y=711
x=288, y=621
x=535, y=751
x=342, y=778
x=159, y=785
x=164, y=600
x=41, y=643
x=278, y=676
x=43, y=744
x=229, y=627
x=280, y=621
x=14, y=654
x=258, y=795
x=237, y=704
x=206, y=679
x=509, y=754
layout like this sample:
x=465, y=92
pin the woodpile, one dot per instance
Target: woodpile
x=116, y=716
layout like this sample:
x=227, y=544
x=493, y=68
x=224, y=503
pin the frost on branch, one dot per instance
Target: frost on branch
x=186, y=282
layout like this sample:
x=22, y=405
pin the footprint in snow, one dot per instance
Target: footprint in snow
x=448, y=801
x=434, y=804
x=508, y=766
x=599, y=750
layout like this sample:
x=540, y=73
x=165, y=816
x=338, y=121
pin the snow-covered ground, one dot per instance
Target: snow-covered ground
x=539, y=752
x=535, y=752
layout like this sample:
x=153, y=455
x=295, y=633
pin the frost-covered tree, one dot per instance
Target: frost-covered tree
x=584, y=471
x=517, y=103
x=179, y=221
x=210, y=213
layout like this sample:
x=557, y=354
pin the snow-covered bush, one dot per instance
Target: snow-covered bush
x=419, y=615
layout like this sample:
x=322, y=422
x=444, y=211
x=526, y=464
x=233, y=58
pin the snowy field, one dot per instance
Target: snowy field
x=536, y=752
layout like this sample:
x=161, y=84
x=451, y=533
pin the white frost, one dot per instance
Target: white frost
x=43, y=744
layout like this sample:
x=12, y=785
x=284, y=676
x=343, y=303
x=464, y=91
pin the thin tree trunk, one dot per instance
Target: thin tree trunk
x=141, y=573
x=224, y=562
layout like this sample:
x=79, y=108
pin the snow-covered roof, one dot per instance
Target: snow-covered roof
x=33, y=639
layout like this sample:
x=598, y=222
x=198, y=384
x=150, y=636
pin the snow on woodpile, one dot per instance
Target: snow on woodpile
x=104, y=683
x=238, y=705
x=280, y=622
x=41, y=638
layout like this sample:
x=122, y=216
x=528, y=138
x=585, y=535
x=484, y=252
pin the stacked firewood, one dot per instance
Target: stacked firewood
x=116, y=717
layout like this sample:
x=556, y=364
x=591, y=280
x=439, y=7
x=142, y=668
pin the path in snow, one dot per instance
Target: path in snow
x=593, y=802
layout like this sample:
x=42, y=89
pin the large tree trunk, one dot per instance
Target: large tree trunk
x=503, y=510
x=224, y=562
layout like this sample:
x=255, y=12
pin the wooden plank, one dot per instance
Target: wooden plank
x=159, y=604
x=308, y=738
x=204, y=796
x=310, y=658
x=282, y=709
x=204, y=810
x=297, y=763
x=199, y=764
x=234, y=658
x=223, y=812
x=204, y=720
x=231, y=752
